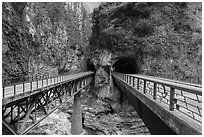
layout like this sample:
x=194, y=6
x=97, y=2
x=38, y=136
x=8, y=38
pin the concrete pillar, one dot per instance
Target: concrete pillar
x=76, y=126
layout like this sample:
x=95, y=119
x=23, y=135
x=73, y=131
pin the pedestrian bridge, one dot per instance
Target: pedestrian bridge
x=166, y=106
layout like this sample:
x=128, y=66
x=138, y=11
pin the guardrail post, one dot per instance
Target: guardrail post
x=133, y=83
x=31, y=85
x=144, y=89
x=138, y=80
x=172, y=95
x=14, y=89
x=3, y=92
x=155, y=91
x=130, y=80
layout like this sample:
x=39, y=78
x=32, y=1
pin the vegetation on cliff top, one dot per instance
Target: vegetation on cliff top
x=41, y=39
x=167, y=36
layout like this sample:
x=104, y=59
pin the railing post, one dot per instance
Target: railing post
x=3, y=92
x=138, y=80
x=129, y=80
x=155, y=91
x=42, y=82
x=144, y=89
x=31, y=85
x=14, y=89
x=172, y=95
x=133, y=83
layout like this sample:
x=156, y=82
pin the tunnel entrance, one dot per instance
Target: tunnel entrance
x=125, y=65
x=90, y=66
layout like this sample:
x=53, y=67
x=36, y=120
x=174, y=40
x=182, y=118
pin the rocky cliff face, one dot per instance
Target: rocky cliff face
x=15, y=42
x=43, y=39
x=164, y=37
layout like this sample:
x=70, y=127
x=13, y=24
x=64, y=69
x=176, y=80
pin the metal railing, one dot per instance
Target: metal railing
x=21, y=87
x=178, y=96
x=190, y=79
x=23, y=112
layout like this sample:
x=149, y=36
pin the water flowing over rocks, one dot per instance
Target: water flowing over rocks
x=101, y=117
x=116, y=119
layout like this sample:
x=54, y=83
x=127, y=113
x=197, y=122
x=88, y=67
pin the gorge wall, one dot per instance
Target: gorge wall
x=159, y=38
x=43, y=39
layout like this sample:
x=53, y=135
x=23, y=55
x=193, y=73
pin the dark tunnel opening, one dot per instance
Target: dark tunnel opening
x=125, y=65
x=90, y=66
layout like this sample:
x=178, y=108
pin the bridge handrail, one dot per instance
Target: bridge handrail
x=32, y=79
x=56, y=79
x=175, y=81
x=182, y=96
x=192, y=88
x=187, y=78
x=179, y=85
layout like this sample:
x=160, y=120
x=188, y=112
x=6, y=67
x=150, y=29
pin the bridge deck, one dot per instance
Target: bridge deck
x=183, y=100
x=21, y=107
x=16, y=89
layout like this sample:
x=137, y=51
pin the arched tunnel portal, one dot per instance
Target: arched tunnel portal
x=125, y=65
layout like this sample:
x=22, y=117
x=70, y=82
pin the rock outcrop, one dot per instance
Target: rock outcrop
x=43, y=39
x=163, y=38
x=101, y=117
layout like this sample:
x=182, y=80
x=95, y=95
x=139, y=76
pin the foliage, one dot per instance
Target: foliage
x=50, y=35
x=166, y=35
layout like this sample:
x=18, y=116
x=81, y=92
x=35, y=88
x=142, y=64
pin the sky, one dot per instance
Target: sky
x=92, y=5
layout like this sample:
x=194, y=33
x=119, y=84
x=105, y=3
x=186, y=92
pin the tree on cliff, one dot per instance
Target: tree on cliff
x=43, y=38
x=166, y=35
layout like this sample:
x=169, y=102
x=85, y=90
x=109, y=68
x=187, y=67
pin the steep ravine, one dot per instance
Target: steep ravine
x=101, y=117
x=161, y=38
